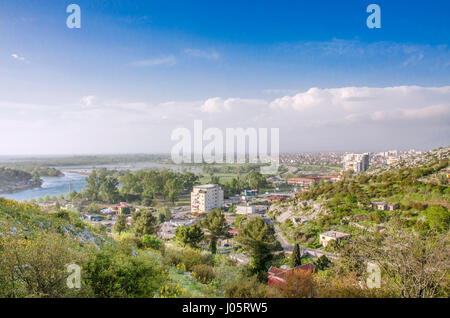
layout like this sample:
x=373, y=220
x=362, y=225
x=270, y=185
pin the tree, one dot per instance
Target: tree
x=164, y=214
x=214, y=179
x=121, y=223
x=189, y=236
x=296, y=257
x=217, y=227
x=172, y=189
x=437, y=218
x=322, y=262
x=93, y=184
x=414, y=265
x=256, y=180
x=109, y=191
x=131, y=185
x=259, y=240
x=93, y=208
x=144, y=222
x=57, y=206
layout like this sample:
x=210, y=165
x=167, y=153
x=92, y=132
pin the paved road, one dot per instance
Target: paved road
x=288, y=247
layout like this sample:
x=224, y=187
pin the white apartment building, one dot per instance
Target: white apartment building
x=358, y=162
x=205, y=198
x=245, y=209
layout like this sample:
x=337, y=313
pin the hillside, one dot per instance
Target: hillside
x=36, y=247
x=13, y=180
x=417, y=185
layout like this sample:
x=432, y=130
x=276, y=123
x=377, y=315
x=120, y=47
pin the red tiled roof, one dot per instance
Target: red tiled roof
x=280, y=274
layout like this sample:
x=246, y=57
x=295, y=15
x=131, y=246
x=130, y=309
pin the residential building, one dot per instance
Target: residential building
x=356, y=162
x=245, y=209
x=328, y=236
x=383, y=206
x=205, y=198
x=303, y=183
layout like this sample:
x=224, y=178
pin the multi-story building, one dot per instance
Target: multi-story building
x=245, y=209
x=357, y=162
x=205, y=198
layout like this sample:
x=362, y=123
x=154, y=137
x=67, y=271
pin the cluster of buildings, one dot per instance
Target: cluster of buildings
x=117, y=209
x=358, y=162
x=312, y=158
x=392, y=156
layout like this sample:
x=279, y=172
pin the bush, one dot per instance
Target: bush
x=153, y=242
x=245, y=287
x=119, y=273
x=188, y=256
x=204, y=273
x=36, y=266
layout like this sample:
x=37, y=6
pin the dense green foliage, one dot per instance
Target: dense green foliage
x=259, y=240
x=189, y=236
x=217, y=227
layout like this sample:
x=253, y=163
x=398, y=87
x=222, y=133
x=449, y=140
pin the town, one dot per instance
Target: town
x=211, y=217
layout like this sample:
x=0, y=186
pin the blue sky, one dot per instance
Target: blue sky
x=156, y=59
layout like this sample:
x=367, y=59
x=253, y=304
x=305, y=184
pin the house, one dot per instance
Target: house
x=123, y=208
x=328, y=236
x=279, y=275
x=303, y=182
x=383, y=206
x=331, y=178
x=379, y=205
x=273, y=198
x=233, y=231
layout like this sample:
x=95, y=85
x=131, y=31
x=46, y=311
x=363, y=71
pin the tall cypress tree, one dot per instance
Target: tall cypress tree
x=296, y=258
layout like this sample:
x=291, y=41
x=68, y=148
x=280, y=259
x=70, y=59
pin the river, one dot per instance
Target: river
x=55, y=186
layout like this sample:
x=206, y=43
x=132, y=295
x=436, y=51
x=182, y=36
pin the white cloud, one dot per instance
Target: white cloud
x=414, y=59
x=19, y=58
x=169, y=60
x=206, y=54
x=319, y=119
x=218, y=105
x=88, y=100
x=435, y=111
x=366, y=100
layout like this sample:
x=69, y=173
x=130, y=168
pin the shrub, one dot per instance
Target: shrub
x=151, y=241
x=119, y=273
x=204, y=273
x=36, y=266
x=245, y=287
x=188, y=256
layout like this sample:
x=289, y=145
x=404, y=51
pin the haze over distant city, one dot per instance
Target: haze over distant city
x=135, y=72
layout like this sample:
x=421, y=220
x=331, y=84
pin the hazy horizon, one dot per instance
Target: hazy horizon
x=135, y=72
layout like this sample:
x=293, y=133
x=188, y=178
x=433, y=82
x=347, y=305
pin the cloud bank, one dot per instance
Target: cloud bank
x=318, y=119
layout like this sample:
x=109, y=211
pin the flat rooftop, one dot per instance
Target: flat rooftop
x=206, y=186
x=335, y=234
